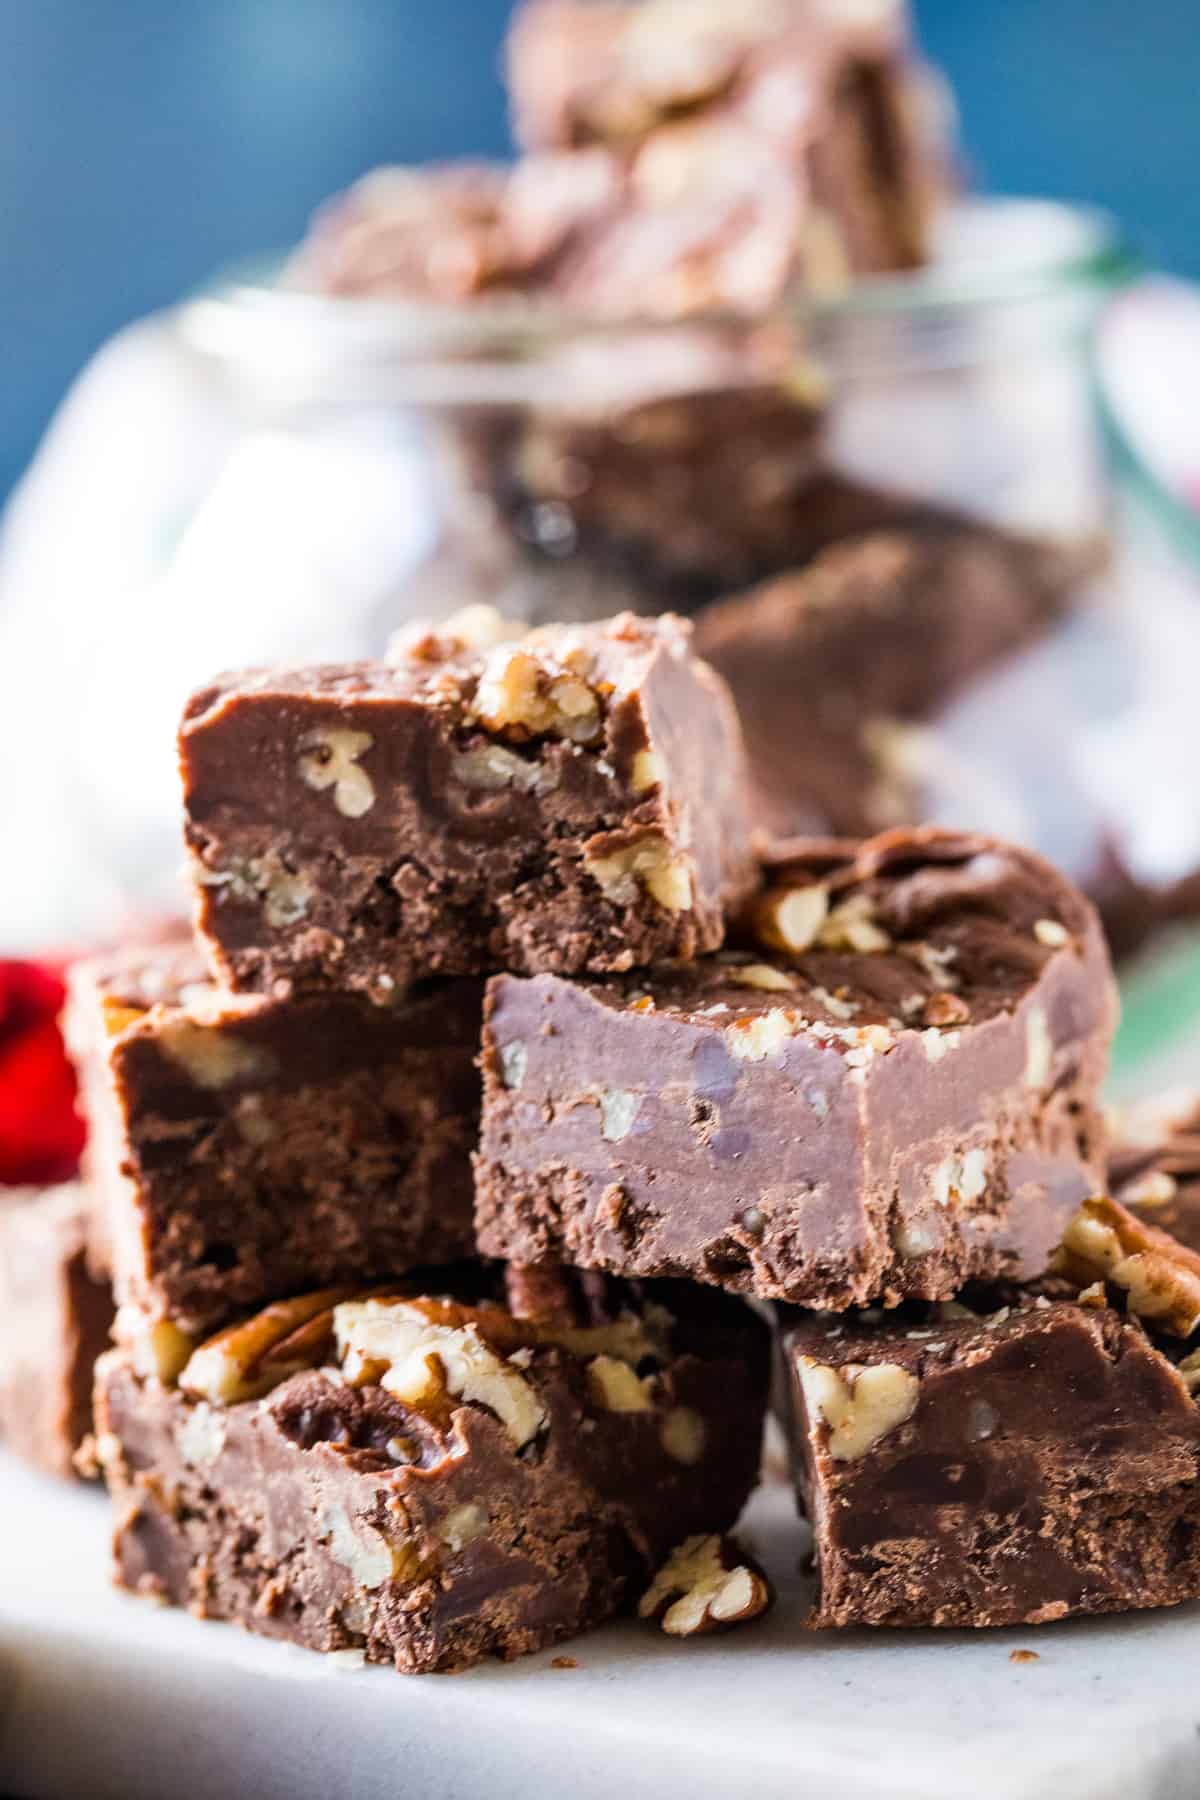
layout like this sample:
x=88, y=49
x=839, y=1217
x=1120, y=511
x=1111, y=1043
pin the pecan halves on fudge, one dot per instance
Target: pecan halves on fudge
x=566, y=799
x=1009, y=1462
x=244, y=1144
x=1106, y=1245
x=425, y=1477
x=891, y=1089
x=55, y=1317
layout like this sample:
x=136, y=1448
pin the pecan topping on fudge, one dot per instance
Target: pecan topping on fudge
x=566, y=798
x=887, y=1086
x=421, y=1475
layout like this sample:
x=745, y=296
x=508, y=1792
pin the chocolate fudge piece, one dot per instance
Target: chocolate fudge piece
x=453, y=233
x=428, y=232
x=707, y=219
x=834, y=94
x=677, y=492
x=686, y=159
x=1011, y=1462
x=244, y=1145
x=569, y=799
x=691, y=495
x=703, y=219
x=431, y=1480
x=893, y=1092
x=836, y=666
x=56, y=1320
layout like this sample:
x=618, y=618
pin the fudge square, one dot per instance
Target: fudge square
x=1026, y=1456
x=573, y=798
x=432, y=1480
x=896, y=1091
x=245, y=1146
x=55, y=1317
x=833, y=96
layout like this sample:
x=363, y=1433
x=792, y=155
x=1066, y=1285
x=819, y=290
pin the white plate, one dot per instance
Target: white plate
x=102, y=1695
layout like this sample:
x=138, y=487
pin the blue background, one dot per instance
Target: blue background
x=145, y=142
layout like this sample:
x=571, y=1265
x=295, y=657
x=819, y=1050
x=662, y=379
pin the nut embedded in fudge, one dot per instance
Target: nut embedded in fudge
x=56, y=1319
x=565, y=799
x=244, y=1145
x=893, y=1092
x=429, y=1479
x=1014, y=1461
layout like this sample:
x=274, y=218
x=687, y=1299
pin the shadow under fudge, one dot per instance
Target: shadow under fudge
x=244, y=1146
x=903, y=1101
x=308, y=1476
x=566, y=799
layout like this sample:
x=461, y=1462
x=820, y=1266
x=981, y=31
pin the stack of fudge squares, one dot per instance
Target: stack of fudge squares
x=512, y=1102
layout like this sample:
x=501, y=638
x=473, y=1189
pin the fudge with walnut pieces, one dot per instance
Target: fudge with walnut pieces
x=892, y=1090
x=454, y=232
x=244, y=1145
x=1033, y=1454
x=431, y=1480
x=808, y=152
x=828, y=99
x=56, y=1318
x=563, y=799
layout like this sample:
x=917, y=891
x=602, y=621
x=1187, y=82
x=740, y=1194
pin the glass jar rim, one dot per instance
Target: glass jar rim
x=992, y=253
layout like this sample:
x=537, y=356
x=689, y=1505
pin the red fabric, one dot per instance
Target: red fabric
x=41, y=1134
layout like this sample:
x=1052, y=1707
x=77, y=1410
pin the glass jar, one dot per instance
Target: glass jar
x=889, y=514
x=561, y=468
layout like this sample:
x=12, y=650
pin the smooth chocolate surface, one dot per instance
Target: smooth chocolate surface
x=906, y=1103
x=474, y=1485
x=567, y=799
x=1012, y=1462
x=54, y=1323
x=243, y=1146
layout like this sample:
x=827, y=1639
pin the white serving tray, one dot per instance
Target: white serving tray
x=104, y=1696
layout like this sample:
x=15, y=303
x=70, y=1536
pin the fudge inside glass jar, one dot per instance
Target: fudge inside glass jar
x=889, y=516
x=702, y=350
